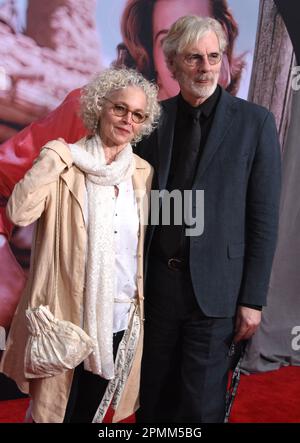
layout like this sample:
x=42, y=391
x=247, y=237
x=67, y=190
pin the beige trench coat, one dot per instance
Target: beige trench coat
x=35, y=197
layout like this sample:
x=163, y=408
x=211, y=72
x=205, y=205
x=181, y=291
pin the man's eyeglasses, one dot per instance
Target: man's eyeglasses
x=194, y=60
x=121, y=110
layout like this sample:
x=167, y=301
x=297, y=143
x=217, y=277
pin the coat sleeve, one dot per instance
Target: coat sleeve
x=17, y=153
x=262, y=215
x=29, y=197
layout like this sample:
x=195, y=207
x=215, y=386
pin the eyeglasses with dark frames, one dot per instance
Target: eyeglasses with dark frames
x=194, y=60
x=121, y=110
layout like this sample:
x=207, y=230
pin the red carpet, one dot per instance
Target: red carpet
x=13, y=411
x=271, y=397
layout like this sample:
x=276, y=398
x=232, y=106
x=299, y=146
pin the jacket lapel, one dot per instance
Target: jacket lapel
x=141, y=193
x=72, y=176
x=74, y=180
x=224, y=117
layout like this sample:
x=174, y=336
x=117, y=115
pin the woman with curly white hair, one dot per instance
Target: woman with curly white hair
x=90, y=200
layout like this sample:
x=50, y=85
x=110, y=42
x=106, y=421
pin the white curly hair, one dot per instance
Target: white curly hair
x=113, y=79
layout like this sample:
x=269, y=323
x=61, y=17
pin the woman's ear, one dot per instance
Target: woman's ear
x=99, y=104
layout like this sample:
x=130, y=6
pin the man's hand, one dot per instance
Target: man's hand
x=247, y=322
x=12, y=282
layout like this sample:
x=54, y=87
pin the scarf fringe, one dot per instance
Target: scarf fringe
x=123, y=364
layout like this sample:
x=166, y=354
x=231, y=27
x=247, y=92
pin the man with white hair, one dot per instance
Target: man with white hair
x=203, y=292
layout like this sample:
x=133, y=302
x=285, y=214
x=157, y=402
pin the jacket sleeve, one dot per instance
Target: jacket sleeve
x=262, y=215
x=29, y=197
x=17, y=153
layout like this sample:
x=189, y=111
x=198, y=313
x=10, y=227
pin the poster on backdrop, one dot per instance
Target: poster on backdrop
x=49, y=48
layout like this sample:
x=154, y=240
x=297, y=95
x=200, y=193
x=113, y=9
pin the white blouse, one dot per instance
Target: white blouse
x=126, y=227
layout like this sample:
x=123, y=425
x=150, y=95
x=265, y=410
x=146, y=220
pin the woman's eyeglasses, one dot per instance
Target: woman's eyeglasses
x=121, y=110
x=194, y=60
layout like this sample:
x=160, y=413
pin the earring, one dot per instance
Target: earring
x=95, y=128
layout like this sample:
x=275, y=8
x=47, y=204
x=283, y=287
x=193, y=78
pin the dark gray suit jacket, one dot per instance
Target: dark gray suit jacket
x=240, y=173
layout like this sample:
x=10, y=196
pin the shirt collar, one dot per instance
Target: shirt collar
x=206, y=108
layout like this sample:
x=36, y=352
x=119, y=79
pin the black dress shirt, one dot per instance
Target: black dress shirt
x=169, y=240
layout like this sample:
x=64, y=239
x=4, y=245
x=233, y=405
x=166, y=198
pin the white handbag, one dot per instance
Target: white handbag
x=53, y=345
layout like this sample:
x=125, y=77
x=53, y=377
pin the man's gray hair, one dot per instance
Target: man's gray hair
x=188, y=30
x=113, y=79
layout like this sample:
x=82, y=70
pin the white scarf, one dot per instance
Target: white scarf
x=100, y=268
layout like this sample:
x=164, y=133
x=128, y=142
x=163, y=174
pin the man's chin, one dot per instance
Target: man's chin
x=204, y=91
